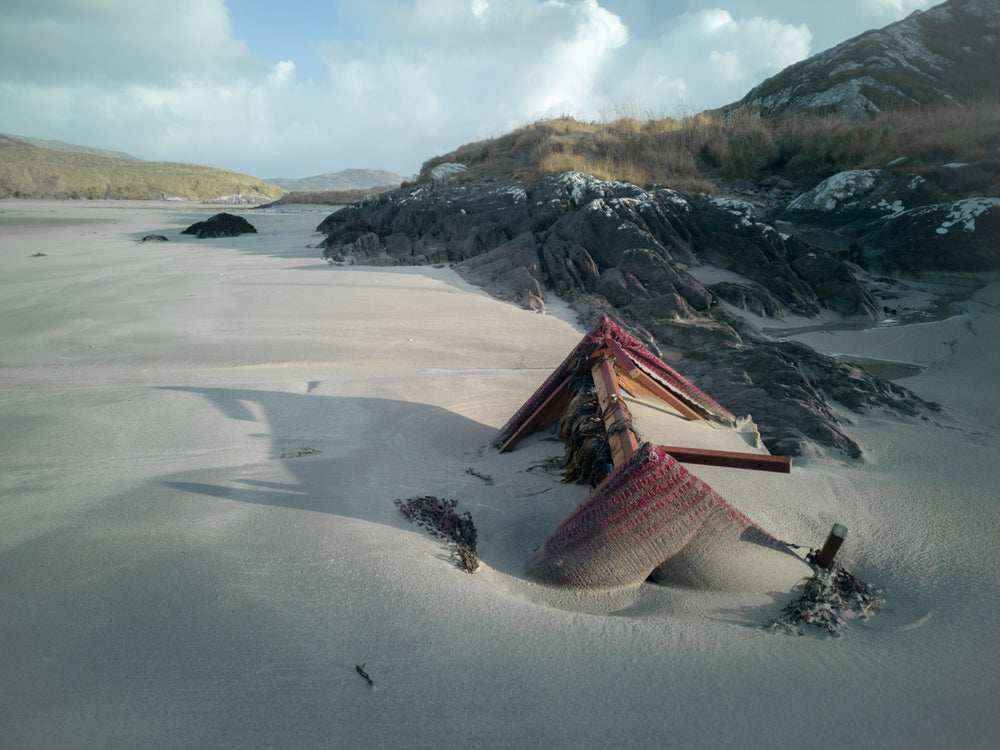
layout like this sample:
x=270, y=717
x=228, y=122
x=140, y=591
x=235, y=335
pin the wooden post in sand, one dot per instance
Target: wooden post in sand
x=825, y=557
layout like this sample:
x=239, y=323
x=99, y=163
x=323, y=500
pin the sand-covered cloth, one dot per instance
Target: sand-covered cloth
x=640, y=355
x=646, y=512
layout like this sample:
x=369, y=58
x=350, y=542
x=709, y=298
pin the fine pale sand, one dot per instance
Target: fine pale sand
x=202, y=442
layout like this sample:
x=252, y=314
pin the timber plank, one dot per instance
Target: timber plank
x=549, y=411
x=730, y=459
x=651, y=385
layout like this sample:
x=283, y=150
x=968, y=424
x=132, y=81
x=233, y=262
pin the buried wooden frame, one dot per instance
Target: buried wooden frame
x=613, y=369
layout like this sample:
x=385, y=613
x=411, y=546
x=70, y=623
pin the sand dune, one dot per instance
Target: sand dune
x=202, y=440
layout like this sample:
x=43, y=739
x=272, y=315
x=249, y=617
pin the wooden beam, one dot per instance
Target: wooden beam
x=730, y=459
x=549, y=411
x=622, y=358
x=662, y=393
x=614, y=411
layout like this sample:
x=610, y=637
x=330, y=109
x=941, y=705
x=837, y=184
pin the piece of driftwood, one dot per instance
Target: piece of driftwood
x=360, y=668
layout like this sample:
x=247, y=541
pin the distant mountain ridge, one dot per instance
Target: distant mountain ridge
x=947, y=54
x=347, y=179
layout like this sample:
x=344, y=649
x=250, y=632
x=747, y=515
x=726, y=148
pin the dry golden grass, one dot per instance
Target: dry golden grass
x=686, y=152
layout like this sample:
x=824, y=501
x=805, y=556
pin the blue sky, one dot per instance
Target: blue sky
x=297, y=88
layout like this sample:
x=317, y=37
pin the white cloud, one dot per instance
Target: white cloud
x=709, y=58
x=404, y=80
x=118, y=41
x=566, y=79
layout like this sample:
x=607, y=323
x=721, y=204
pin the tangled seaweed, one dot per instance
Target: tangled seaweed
x=438, y=516
x=828, y=601
x=582, y=431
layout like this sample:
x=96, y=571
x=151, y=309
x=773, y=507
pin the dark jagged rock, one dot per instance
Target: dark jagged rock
x=852, y=202
x=221, y=225
x=613, y=248
x=512, y=271
x=956, y=238
x=585, y=229
x=789, y=390
x=749, y=297
x=154, y=238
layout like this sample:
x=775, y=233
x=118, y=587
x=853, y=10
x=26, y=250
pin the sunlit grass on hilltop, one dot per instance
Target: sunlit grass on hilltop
x=685, y=153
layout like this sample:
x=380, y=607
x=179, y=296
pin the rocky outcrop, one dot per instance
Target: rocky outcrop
x=958, y=238
x=851, y=201
x=889, y=222
x=613, y=248
x=221, y=225
x=446, y=174
x=613, y=239
x=242, y=199
x=945, y=55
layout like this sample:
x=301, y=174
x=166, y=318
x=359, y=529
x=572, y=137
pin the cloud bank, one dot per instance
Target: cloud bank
x=383, y=85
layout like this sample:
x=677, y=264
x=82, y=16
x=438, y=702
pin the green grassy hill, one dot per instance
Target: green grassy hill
x=27, y=171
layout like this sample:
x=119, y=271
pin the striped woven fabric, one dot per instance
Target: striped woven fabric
x=644, y=513
x=652, y=365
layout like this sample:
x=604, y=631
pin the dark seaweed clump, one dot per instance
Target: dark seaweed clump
x=438, y=516
x=828, y=601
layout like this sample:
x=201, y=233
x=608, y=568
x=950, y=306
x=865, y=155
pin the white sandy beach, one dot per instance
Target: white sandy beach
x=202, y=442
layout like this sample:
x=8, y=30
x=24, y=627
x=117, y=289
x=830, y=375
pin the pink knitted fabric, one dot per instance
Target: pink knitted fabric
x=654, y=367
x=645, y=512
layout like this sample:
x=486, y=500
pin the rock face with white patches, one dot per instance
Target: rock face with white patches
x=947, y=54
x=857, y=197
x=954, y=238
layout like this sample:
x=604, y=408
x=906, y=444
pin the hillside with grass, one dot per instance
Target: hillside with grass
x=688, y=153
x=924, y=90
x=28, y=171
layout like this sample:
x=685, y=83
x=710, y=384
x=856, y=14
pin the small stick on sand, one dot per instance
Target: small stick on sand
x=361, y=671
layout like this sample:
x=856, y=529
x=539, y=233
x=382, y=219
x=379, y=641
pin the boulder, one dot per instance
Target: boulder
x=221, y=225
x=446, y=174
x=510, y=272
x=835, y=284
x=957, y=238
x=857, y=198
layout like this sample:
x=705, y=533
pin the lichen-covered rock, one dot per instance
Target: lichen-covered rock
x=446, y=174
x=958, y=238
x=858, y=197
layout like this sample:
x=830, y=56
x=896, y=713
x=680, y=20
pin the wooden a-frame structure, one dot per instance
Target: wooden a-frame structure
x=648, y=508
x=620, y=362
